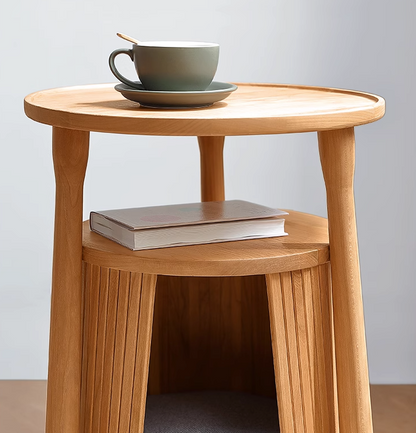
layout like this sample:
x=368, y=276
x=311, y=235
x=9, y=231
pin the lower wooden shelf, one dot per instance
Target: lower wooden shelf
x=306, y=246
x=249, y=317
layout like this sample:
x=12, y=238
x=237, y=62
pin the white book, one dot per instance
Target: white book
x=188, y=224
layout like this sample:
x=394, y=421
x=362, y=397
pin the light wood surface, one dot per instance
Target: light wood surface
x=251, y=110
x=211, y=334
x=141, y=372
x=118, y=316
x=300, y=319
x=22, y=407
x=70, y=154
x=305, y=247
x=212, y=168
x=337, y=152
x=127, y=38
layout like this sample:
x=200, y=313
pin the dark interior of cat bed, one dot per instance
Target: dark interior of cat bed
x=211, y=412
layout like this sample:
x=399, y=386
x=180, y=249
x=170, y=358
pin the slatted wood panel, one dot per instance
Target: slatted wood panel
x=118, y=316
x=209, y=334
x=101, y=344
x=300, y=306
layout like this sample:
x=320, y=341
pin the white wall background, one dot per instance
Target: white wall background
x=360, y=44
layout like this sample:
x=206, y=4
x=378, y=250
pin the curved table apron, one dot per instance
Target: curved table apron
x=208, y=333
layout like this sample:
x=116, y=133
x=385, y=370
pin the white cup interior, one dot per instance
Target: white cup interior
x=178, y=44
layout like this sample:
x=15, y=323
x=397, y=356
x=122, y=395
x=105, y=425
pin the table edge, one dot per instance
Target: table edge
x=210, y=127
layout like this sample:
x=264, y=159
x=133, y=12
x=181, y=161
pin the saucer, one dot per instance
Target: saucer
x=215, y=92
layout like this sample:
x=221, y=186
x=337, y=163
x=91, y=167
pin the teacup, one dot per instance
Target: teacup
x=170, y=65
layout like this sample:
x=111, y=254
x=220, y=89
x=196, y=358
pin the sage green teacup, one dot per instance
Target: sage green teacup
x=170, y=65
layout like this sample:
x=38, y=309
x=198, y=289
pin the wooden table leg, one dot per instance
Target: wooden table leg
x=337, y=152
x=212, y=168
x=70, y=155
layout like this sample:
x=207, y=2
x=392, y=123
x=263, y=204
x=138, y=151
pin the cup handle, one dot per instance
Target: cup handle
x=114, y=70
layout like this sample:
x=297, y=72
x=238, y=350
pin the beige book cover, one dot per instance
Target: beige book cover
x=187, y=214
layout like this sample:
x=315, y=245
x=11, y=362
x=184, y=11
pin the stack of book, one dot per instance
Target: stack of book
x=188, y=224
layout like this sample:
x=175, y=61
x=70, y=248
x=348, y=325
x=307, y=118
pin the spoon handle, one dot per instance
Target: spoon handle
x=128, y=38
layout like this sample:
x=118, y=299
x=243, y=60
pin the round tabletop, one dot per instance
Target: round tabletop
x=253, y=109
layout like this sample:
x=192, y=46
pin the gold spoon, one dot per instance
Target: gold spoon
x=128, y=38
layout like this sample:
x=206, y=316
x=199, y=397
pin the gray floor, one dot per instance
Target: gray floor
x=211, y=412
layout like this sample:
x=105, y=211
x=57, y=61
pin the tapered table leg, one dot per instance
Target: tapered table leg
x=337, y=152
x=70, y=155
x=212, y=168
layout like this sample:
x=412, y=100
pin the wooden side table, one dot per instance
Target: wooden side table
x=208, y=333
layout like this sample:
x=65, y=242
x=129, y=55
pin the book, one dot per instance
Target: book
x=188, y=224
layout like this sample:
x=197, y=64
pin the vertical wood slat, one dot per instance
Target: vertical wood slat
x=260, y=339
x=280, y=353
x=93, y=285
x=109, y=351
x=130, y=354
x=321, y=388
x=310, y=330
x=119, y=349
x=118, y=316
x=86, y=268
x=143, y=353
x=155, y=366
x=302, y=339
x=101, y=339
x=292, y=345
x=303, y=350
x=328, y=338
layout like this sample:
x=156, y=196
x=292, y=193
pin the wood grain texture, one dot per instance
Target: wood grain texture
x=211, y=334
x=141, y=372
x=70, y=155
x=101, y=344
x=308, y=308
x=293, y=352
x=91, y=310
x=325, y=290
x=303, y=360
x=280, y=353
x=305, y=247
x=251, y=110
x=117, y=318
x=119, y=349
x=212, y=168
x=303, y=337
x=108, y=359
x=337, y=152
x=130, y=352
